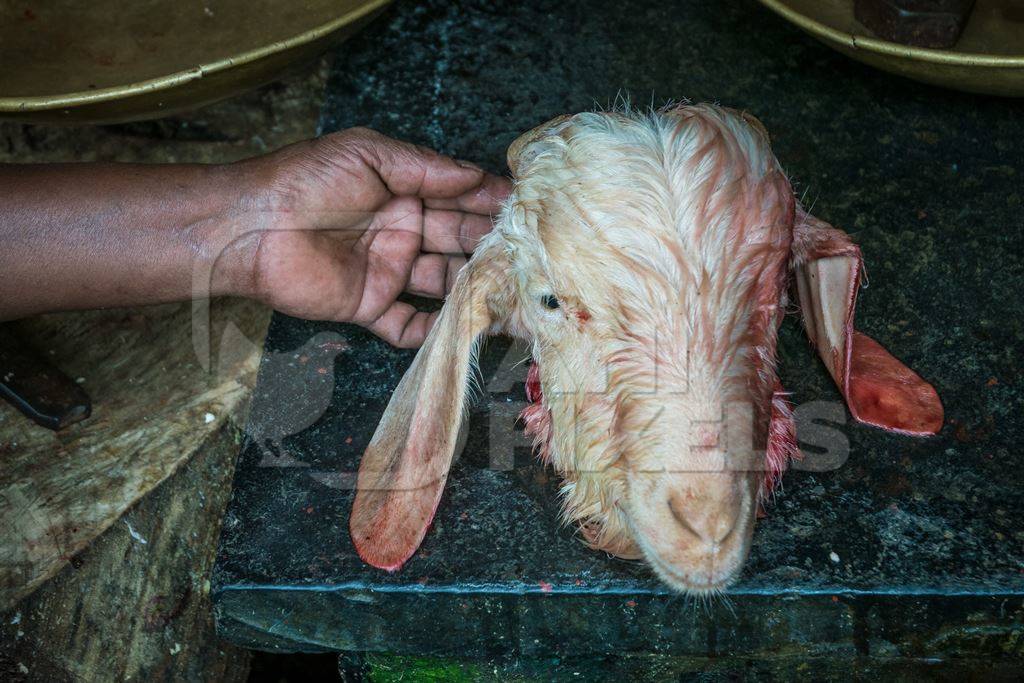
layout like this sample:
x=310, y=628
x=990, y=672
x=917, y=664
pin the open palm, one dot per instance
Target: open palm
x=359, y=219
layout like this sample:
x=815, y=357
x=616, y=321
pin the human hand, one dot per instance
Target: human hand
x=356, y=219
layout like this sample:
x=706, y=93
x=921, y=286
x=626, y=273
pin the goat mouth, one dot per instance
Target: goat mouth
x=717, y=580
x=686, y=582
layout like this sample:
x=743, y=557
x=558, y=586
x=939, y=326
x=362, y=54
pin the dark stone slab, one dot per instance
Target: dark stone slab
x=907, y=548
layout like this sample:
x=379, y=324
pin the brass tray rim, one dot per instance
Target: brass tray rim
x=869, y=44
x=82, y=97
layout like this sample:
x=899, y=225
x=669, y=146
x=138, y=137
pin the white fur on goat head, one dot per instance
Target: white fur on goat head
x=646, y=257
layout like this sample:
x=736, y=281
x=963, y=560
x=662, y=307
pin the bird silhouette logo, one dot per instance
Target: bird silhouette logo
x=295, y=389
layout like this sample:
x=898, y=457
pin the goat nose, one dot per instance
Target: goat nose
x=712, y=528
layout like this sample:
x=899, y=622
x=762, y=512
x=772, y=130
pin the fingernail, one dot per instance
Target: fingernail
x=468, y=164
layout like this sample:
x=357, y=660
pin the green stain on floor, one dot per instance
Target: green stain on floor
x=384, y=668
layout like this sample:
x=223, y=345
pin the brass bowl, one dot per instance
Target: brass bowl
x=108, y=60
x=988, y=58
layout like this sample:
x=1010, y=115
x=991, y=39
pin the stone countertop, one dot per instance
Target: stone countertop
x=907, y=546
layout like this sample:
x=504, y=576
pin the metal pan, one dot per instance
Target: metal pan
x=988, y=58
x=109, y=60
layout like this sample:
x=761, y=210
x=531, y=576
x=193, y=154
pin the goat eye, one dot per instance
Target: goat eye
x=550, y=301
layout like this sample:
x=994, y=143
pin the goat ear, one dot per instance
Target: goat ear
x=526, y=147
x=878, y=388
x=756, y=124
x=751, y=121
x=404, y=469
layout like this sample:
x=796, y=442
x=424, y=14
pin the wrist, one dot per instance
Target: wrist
x=232, y=238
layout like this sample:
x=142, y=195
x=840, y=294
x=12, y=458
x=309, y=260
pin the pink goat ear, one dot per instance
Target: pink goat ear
x=527, y=146
x=405, y=467
x=879, y=389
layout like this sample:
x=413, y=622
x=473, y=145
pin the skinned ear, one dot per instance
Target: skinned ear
x=405, y=467
x=528, y=145
x=756, y=124
x=879, y=389
x=751, y=121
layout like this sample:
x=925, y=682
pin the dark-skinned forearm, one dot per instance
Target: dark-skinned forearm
x=75, y=236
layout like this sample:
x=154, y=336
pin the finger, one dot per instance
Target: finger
x=486, y=198
x=434, y=274
x=409, y=170
x=403, y=326
x=453, y=232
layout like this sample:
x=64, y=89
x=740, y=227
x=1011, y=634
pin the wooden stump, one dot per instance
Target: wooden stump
x=135, y=605
x=131, y=595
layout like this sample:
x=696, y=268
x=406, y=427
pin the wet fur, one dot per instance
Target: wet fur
x=686, y=206
x=666, y=240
